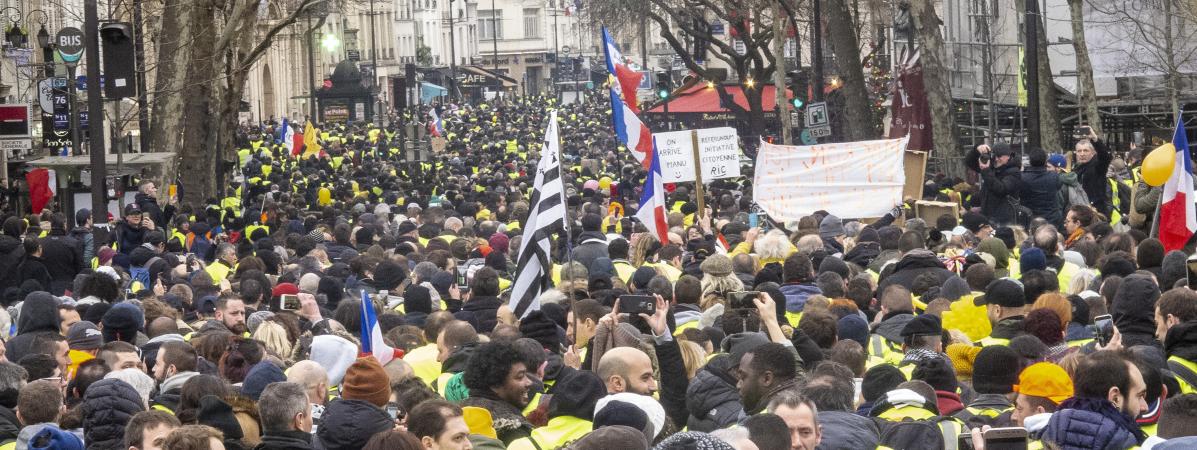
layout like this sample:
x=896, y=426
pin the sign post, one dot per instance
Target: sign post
x=70, y=49
x=697, y=174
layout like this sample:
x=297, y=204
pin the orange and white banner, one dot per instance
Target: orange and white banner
x=848, y=179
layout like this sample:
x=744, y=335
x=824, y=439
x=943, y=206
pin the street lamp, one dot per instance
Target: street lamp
x=330, y=42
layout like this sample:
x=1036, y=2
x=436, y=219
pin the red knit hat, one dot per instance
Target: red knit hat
x=284, y=289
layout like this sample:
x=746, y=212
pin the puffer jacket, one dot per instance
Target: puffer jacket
x=11, y=254
x=1096, y=426
x=348, y=424
x=797, y=294
x=39, y=315
x=712, y=398
x=913, y=264
x=107, y=408
x=592, y=245
x=844, y=430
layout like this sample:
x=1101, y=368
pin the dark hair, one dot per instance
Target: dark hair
x=179, y=354
x=589, y=309
x=910, y=240
x=1037, y=157
x=485, y=283
x=831, y=284
x=1084, y=214
x=39, y=365
x=1100, y=371
x=820, y=327
x=768, y=431
x=394, y=440
x=146, y=420
x=776, y=358
x=1180, y=303
x=429, y=418
x=688, y=290
x=1178, y=417
x=830, y=393
x=851, y=354
x=194, y=389
x=490, y=364
x=1044, y=324
x=89, y=372
x=1036, y=282
x=798, y=268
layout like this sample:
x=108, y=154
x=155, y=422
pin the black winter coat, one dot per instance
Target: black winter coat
x=712, y=398
x=1000, y=187
x=349, y=424
x=128, y=238
x=673, y=388
x=149, y=207
x=1093, y=178
x=593, y=245
x=34, y=268
x=913, y=264
x=289, y=440
x=107, y=408
x=481, y=312
x=1040, y=193
x=11, y=254
x=39, y=315
x=63, y=257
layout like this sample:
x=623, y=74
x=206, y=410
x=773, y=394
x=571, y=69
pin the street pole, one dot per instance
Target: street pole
x=494, y=24
x=143, y=105
x=816, y=47
x=95, y=104
x=556, y=53
x=73, y=98
x=452, y=56
x=1031, y=61
x=374, y=63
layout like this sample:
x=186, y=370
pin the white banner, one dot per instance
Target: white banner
x=718, y=148
x=849, y=179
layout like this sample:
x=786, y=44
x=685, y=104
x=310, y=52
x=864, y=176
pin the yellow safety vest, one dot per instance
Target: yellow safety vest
x=559, y=431
x=1185, y=386
x=885, y=350
x=989, y=341
x=423, y=363
x=624, y=270
x=218, y=271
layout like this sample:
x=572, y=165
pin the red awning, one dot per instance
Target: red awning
x=702, y=99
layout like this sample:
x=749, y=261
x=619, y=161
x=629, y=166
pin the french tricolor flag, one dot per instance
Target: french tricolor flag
x=652, y=202
x=631, y=131
x=1178, y=214
x=435, y=127
x=371, y=337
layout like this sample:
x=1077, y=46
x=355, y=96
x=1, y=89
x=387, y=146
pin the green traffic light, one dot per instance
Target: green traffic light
x=663, y=94
x=798, y=103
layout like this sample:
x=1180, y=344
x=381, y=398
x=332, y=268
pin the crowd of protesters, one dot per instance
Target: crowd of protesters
x=238, y=323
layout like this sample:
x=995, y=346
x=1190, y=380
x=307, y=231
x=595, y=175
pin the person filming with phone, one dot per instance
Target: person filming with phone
x=1001, y=182
x=1092, y=161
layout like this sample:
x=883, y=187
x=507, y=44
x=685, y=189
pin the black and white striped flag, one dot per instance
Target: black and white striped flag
x=546, y=215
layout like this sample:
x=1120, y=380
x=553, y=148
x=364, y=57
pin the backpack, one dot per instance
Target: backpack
x=917, y=434
x=1072, y=192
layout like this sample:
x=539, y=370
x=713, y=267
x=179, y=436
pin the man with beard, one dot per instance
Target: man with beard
x=498, y=381
x=1109, y=394
x=175, y=365
x=765, y=372
x=230, y=315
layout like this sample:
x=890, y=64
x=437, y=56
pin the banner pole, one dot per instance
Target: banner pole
x=697, y=175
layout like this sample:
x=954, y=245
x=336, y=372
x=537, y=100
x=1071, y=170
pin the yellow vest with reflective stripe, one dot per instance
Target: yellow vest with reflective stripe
x=218, y=271
x=559, y=431
x=885, y=350
x=1185, y=387
x=988, y=341
x=423, y=363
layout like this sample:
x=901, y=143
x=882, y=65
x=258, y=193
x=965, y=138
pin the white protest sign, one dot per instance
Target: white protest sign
x=718, y=148
x=848, y=179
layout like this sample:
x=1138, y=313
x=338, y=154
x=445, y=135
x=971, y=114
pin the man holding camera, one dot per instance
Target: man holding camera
x=1000, y=182
x=1093, y=159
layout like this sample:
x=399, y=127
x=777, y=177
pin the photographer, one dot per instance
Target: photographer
x=1093, y=159
x=1000, y=182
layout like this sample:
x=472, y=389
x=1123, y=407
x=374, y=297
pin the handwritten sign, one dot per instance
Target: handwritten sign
x=849, y=179
x=718, y=149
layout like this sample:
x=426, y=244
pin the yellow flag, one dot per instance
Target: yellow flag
x=311, y=147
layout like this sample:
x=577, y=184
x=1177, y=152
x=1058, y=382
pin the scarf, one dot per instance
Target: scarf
x=1075, y=236
x=916, y=355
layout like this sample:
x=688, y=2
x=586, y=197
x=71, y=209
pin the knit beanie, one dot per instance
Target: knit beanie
x=536, y=325
x=576, y=395
x=962, y=357
x=366, y=380
x=259, y=376
x=1173, y=269
x=1032, y=259
x=256, y=319
x=121, y=322
x=830, y=227
x=388, y=275
x=880, y=379
x=834, y=264
x=309, y=283
x=620, y=413
x=417, y=299
x=937, y=372
x=53, y=438
x=994, y=370
x=853, y=327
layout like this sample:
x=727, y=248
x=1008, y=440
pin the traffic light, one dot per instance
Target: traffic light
x=119, y=63
x=797, y=82
x=664, y=85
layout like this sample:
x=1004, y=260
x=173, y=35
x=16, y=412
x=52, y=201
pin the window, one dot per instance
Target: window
x=492, y=23
x=531, y=23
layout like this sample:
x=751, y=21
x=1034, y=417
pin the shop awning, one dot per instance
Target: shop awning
x=429, y=91
x=702, y=99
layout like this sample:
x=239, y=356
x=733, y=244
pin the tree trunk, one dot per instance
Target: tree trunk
x=932, y=55
x=196, y=166
x=1049, y=99
x=1087, y=98
x=779, y=73
x=171, y=76
x=842, y=34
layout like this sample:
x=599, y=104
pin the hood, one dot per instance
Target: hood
x=1133, y=307
x=8, y=244
x=456, y=362
x=997, y=248
x=847, y=431
x=710, y=389
x=891, y=328
x=863, y=253
x=1069, y=178
x=176, y=381
x=349, y=424
x=948, y=402
x=141, y=197
x=797, y=294
x=39, y=312
x=685, y=313
x=1181, y=341
x=1178, y=443
x=918, y=259
x=175, y=337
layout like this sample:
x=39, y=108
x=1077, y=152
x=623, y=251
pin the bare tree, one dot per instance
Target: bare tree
x=1087, y=100
x=932, y=55
x=842, y=33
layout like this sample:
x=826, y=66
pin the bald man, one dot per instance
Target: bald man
x=627, y=369
x=313, y=378
x=398, y=370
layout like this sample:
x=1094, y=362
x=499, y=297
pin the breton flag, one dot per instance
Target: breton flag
x=435, y=126
x=546, y=216
x=652, y=202
x=1178, y=214
x=624, y=81
x=372, y=344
